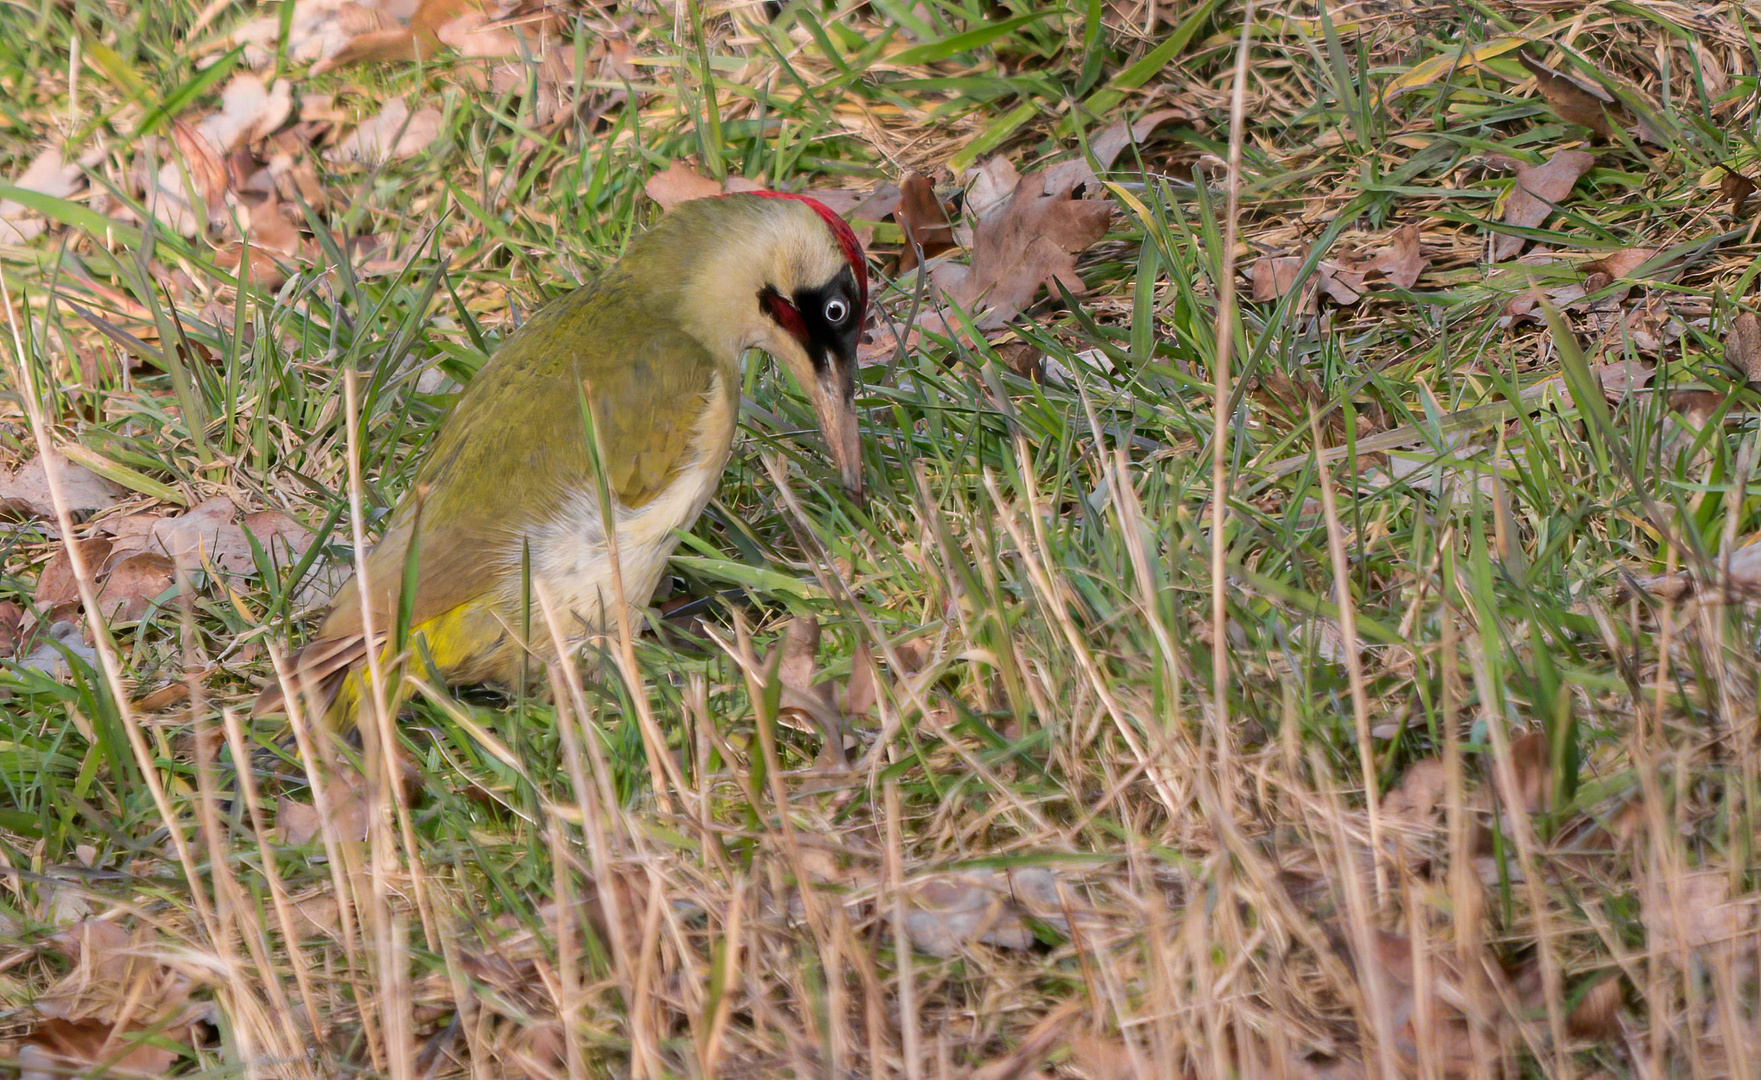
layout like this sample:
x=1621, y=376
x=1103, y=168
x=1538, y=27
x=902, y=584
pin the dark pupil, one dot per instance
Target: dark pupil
x=835, y=311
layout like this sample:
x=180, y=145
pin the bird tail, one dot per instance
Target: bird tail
x=329, y=676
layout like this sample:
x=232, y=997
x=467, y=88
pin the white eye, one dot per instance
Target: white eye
x=836, y=311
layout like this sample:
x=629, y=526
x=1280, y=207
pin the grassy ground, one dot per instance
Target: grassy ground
x=1405, y=724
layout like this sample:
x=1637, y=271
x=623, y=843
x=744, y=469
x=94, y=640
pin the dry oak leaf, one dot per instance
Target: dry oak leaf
x=946, y=913
x=1531, y=760
x=880, y=342
x=393, y=134
x=845, y=201
x=1106, y=147
x=816, y=702
x=1403, y=260
x=1575, y=102
x=1594, y=106
x=274, y=240
x=1735, y=187
x=1537, y=192
x=116, y=980
x=24, y=493
x=56, y=585
x=1346, y=278
x=211, y=537
x=318, y=30
x=925, y=221
x=1743, y=568
x=1695, y=910
x=298, y=823
x=195, y=173
x=1419, y=795
x=1031, y=239
x=132, y=584
x=680, y=183
x=47, y=174
x=1742, y=346
x=388, y=39
x=1594, y=276
x=993, y=180
x=476, y=35
x=89, y=1047
x=11, y=628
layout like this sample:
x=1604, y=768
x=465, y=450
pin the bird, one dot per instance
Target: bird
x=507, y=503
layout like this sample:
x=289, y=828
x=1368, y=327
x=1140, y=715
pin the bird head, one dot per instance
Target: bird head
x=783, y=273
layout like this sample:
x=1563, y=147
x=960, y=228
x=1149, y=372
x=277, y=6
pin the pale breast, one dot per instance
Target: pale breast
x=570, y=558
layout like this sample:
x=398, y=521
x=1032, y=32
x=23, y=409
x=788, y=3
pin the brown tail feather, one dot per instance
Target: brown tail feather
x=317, y=673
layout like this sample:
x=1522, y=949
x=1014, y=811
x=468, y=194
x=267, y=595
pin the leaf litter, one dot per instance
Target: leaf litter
x=1028, y=240
x=1537, y=193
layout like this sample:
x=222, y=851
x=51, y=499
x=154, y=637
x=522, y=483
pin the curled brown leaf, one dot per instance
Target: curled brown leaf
x=1536, y=194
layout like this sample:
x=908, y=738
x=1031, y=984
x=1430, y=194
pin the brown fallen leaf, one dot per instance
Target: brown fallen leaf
x=1735, y=188
x=271, y=230
x=1403, y=260
x=202, y=164
x=1619, y=378
x=1345, y=278
x=473, y=27
x=318, y=30
x=298, y=823
x=163, y=697
x=844, y=201
x=11, y=629
x=392, y=134
x=1742, y=346
x=380, y=45
x=1273, y=276
x=97, y=1018
x=813, y=703
x=1024, y=358
x=1102, y=1057
x=1537, y=192
x=189, y=192
x=1418, y=797
x=131, y=586
x=1600, y=273
x=211, y=537
x=476, y=35
x=1031, y=239
x=57, y=587
x=1110, y=143
x=47, y=174
x=1532, y=761
x=57, y=1047
x=24, y=494
x=993, y=180
x=1573, y=101
x=880, y=342
x=679, y=183
x=1606, y=313
x=925, y=221
x=947, y=913
x=1450, y=1046
x=116, y=976
x=274, y=243
x=1106, y=147
x=1597, y=1013
x=1695, y=910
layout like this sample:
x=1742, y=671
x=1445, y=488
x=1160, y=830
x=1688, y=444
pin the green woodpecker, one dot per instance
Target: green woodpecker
x=508, y=503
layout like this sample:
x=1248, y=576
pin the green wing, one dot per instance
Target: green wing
x=515, y=447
